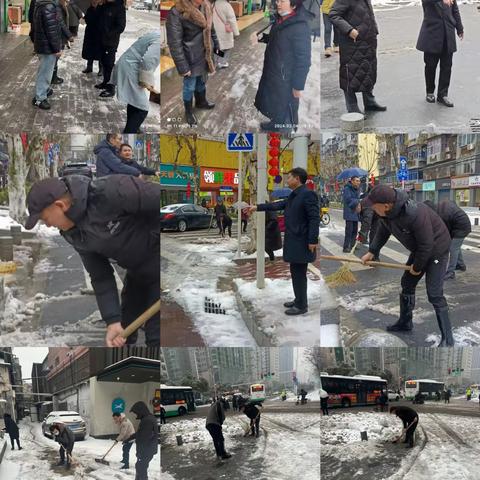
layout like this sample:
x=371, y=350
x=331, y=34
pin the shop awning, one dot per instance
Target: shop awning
x=132, y=370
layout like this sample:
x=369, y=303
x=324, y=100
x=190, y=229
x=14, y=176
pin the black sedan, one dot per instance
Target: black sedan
x=184, y=216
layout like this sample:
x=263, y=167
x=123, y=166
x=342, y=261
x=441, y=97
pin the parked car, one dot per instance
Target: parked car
x=184, y=216
x=393, y=396
x=72, y=420
x=75, y=168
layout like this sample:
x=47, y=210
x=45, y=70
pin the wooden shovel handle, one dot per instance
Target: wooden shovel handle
x=370, y=263
x=136, y=324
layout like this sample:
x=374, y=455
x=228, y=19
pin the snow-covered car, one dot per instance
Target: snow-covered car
x=393, y=396
x=183, y=216
x=72, y=420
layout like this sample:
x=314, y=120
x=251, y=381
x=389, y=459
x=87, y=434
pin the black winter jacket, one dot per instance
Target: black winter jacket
x=146, y=437
x=115, y=217
x=455, y=218
x=406, y=414
x=92, y=47
x=251, y=411
x=66, y=438
x=47, y=27
x=417, y=227
x=273, y=236
x=302, y=223
x=358, y=59
x=113, y=19
x=286, y=65
x=440, y=22
x=109, y=163
x=10, y=426
x=143, y=170
x=74, y=14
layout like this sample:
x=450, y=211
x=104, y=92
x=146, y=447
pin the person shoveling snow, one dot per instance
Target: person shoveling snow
x=409, y=418
x=126, y=431
x=65, y=437
x=253, y=413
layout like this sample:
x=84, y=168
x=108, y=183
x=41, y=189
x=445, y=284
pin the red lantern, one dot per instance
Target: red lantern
x=189, y=190
x=273, y=162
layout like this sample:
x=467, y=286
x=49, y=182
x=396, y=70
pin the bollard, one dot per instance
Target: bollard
x=179, y=440
x=35, y=245
x=16, y=232
x=364, y=436
x=6, y=249
x=352, y=122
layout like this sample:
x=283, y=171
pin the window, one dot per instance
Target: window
x=188, y=208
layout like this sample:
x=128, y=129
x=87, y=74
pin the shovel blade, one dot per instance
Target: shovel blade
x=101, y=460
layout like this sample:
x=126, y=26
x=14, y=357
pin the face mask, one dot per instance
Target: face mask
x=283, y=14
x=56, y=432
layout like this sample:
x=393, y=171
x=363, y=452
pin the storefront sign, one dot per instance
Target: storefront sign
x=215, y=177
x=461, y=182
x=118, y=405
x=474, y=181
x=443, y=184
x=428, y=186
x=179, y=175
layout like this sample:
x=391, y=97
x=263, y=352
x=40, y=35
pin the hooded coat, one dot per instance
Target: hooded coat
x=191, y=37
x=66, y=438
x=440, y=23
x=358, y=59
x=351, y=198
x=146, y=437
x=10, y=426
x=417, y=227
x=138, y=64
x=456, y=220
x=109, y=163
x=116, y=217
x=302, y=223
x=286, y=65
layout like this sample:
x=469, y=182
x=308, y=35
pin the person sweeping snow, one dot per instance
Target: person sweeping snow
x=65, y=437
x=126, y=431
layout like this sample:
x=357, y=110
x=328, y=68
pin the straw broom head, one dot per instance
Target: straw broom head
x=342, y=277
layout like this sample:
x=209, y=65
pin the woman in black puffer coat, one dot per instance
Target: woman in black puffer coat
x=357, y=29
x=285, y=67
x=12, y=429
x=92, y=50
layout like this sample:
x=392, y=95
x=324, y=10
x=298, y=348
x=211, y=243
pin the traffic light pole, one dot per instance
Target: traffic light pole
x=239, y=209
x=261, y=197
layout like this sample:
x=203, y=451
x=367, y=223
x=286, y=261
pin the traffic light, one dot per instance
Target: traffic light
x=273, y=154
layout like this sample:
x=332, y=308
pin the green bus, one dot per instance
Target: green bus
x=176, y=400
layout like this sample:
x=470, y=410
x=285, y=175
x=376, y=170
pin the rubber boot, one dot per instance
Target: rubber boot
x=404, y=323
x=202, y=102
x=189, y=116
x=371, y=104
x=443, y=320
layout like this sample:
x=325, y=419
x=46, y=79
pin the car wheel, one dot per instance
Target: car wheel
x=214, y=224
x=182, y=411
x=182, y=225
x=346, y=403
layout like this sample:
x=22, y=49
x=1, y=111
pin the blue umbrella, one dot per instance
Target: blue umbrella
x=281, y=192
x=352, y=172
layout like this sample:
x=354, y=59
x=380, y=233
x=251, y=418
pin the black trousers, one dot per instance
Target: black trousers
x=409, y=436
x=13, y=439
x=431, y=62
x=351, y=230
x=244, y=225
x=218, y=439
x=298, y=272
x=255, y=426
x=74, y=31
x=62, y=454
x=108, y=62
x=141, y=466
x=141, y=289
x=135, y=118
x=434, y=274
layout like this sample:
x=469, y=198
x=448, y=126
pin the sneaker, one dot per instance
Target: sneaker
x=57, y=81
x=43, y=105
x=462, y=268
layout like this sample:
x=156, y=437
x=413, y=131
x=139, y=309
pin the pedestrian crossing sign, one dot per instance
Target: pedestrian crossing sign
x=240, y=142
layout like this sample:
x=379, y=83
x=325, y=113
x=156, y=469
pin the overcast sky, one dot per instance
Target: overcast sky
x=28, y=356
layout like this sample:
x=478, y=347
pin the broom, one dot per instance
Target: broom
x=344, y=276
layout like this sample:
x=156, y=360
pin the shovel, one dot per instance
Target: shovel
x=137, y=323
x=102, y=460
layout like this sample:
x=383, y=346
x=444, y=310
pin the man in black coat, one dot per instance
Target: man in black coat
x=285, y=67
x=302, y=223
x=223, y=219
x=114, y=217
x=357, y=34
x=409, y=418
x=192, y=41
x=421, y=231
x=12, y=429
x=441, y=19
x=253, y=413
x=459, y=227
x=126, y=154
x=91, y=49
x=146, y=439
x=112, y=22
x=65, y=437
x=213, y=423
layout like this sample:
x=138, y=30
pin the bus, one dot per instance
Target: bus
x=176, y=400
x=426, y=387
x=256, y=392
x=346, y=391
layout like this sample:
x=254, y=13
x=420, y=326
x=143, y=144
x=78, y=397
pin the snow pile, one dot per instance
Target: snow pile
x=329, y=335
x=40, y=229
x=14, y=313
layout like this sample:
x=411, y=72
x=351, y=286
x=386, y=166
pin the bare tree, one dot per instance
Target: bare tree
x=17, y=174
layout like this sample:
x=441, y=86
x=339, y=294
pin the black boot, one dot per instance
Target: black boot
x=108, y=92
x=189, y=116
x=56, y=80
x=351, y=102
x=202, y=102
x=371, y=104
x=445, y=327
x=404, y=323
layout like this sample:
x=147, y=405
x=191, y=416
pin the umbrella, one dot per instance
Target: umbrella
x=323, y=393
x=242, y=204
x=352, y=172
x=281, y=192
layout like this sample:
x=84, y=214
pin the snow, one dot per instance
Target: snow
x=40, y=229
x=329, y=335
x=39, y=453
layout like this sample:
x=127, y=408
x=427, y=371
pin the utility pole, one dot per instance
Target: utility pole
x=261, y=197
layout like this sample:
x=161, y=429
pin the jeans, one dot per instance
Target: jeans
x=44, y=75
x=328, y=32
x=434, y=276
x=456, y=257
x=299, y=281
x=191, y=85
x=126, y=452
x=351, y=230
x=135, y=118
